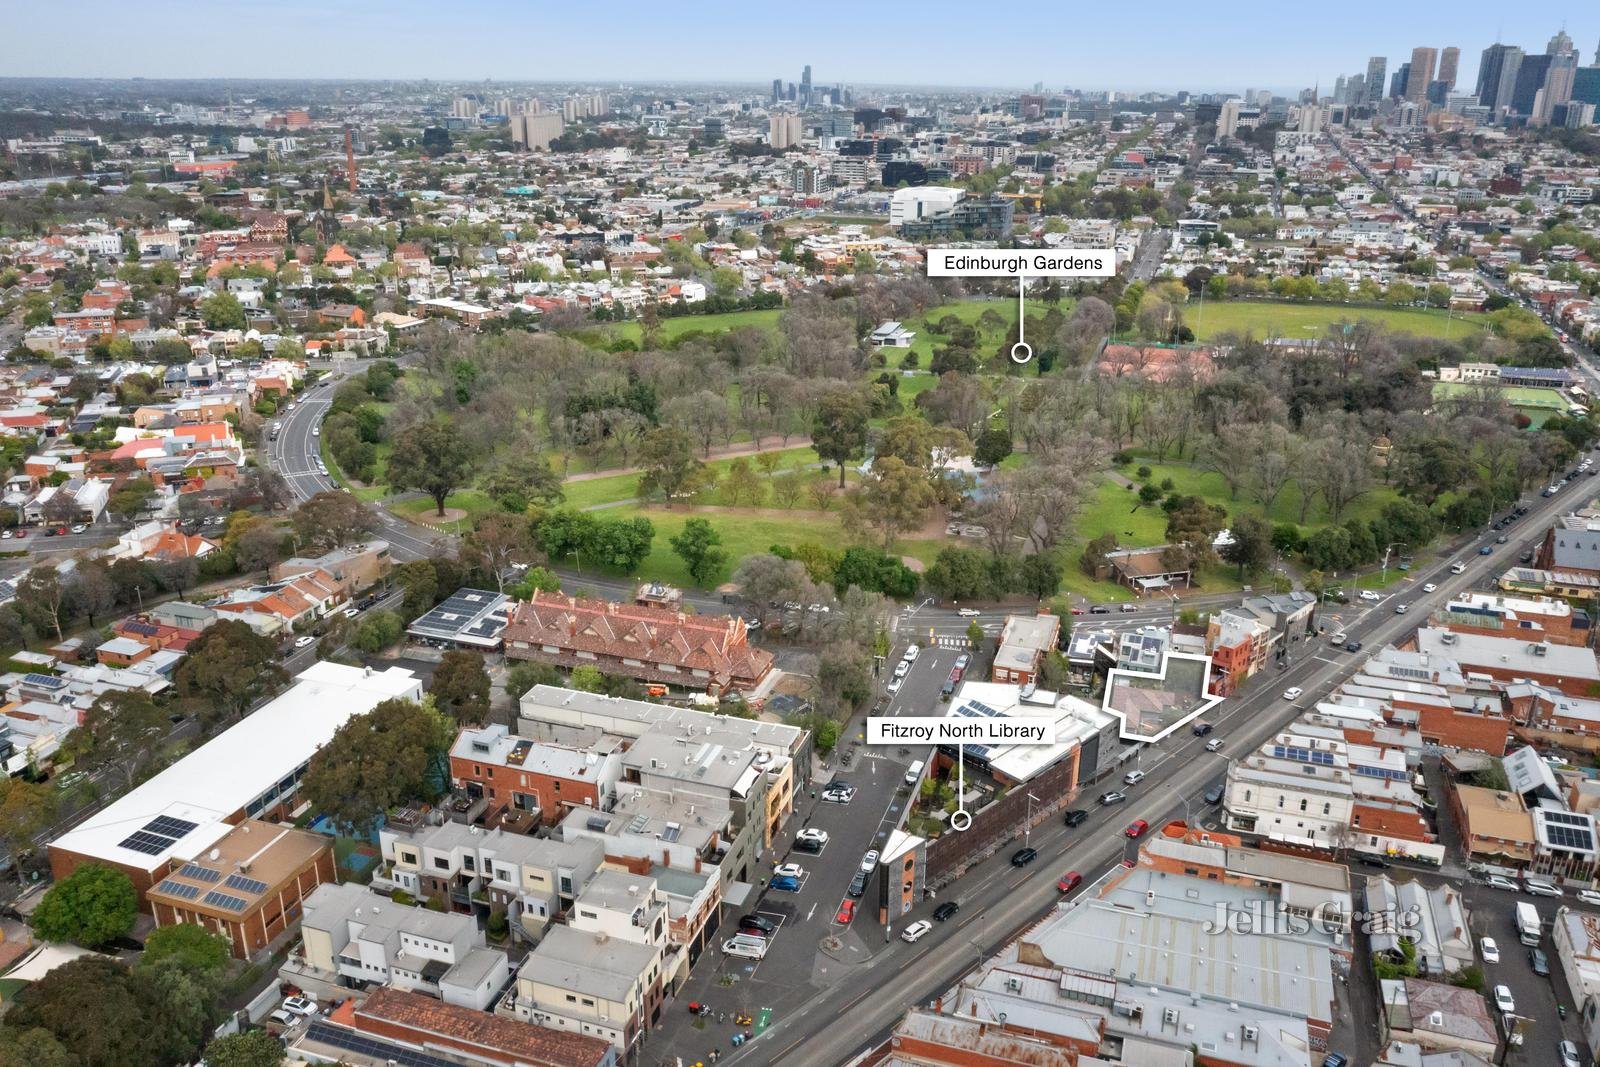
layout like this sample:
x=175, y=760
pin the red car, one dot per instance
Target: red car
x=1068, y=882
x=1136, y=828
x=847, y=911
x=21, y=532
x=1079, y=611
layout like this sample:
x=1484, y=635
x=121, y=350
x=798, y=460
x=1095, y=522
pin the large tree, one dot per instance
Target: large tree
x=228, y=668
x=121, y=736
x=432, y=457
x=330, y=519
x=186, y=945
x=892, y=499
x=25, y=809
x=252, y=1048
x=461, y=687
x=839, y=430
x=375, y=761
x=498, y=540
x=104, y=1015
x=667, y=463
x=700, y=547
x=1250, y=546
x=89, y=907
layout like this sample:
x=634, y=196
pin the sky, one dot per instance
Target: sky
x=1154, y=45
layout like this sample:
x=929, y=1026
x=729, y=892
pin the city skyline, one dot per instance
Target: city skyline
x=489, y=39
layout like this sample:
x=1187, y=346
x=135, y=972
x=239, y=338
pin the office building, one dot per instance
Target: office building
x=1228, y=118
x=1420, y=74
x=805, y=85
x=1449, y=62
x=1586, y=85
x=1531, y=75
x=1497, y=75
x=777, y=89
x=1377, y=68
x=1398, y=83
x=1561, y=45
x=1556, y=92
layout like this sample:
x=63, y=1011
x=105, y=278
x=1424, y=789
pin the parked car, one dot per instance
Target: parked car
x=913, y=933
x=283, y=1018
x=1215, y=793
x=1068, y=882
x=846, y=912
x=1590, y=897
x=1568, y=1052
x=1076, y=816
x=1489, y=950
x=945, y=911
x=1024, y=856
x=1495, y=881
x=785, y=885
x=902, y=668
x=1336, y=1059
x=1539, y=888
x=858, y=886
x=811, y=833
x=1112, y=797
x=300, y=1005
x=963, y=661
x=911, y=653
x=1136, y=828
x=869, y=862
x=303, y=641
x=788, y=870
x=80, y=528
x=1503, y=1001
x=807, y=844
x=1539, y=962
x=766, y=927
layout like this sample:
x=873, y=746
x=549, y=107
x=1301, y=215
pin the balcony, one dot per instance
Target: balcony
x=459, y=807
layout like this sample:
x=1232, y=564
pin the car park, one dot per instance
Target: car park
x=1113, y=797
x=765, y=927
x=913, y=933
x=1292, y=693
x=945, y=911
x=1076, y=816
x=1068, y=882
x=1024, y=856
x=1489, y=950
x=1136, y=828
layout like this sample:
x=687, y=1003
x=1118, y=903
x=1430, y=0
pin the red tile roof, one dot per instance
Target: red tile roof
x=653, y=636
x=485, y=1036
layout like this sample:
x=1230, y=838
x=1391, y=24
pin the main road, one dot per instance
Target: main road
x=833, y=1022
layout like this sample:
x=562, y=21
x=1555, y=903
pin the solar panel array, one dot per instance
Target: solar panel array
x=977, y=709
x=1303, y=755
x=181, y=890
x=199, y=873
x=1380, y=772
x=340, y=1037
x=223, y=900
x=1566, y=830
x=249, y=885
x=157, y=835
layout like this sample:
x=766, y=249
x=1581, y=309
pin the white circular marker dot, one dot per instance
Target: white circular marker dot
x=1021, y=352
x=960, y=819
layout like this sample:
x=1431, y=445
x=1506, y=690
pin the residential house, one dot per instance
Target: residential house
x=1024, y=643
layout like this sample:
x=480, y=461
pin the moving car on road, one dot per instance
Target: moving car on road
x=1113, y=797
x=1215, y=744
x=1292, y=693
x=1133, y=777
x=1024, y=856
x=968, y=613
x=1136, y=828
x=1068, y=882
x=1076, y=816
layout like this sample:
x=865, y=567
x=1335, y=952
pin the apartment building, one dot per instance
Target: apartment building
x=533, y=880
x=1024, y=642
x=600, y=975
x=352, y=938
x=539, y=780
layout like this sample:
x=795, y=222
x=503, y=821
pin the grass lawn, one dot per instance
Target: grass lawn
x=1190, y=480
x=1268, y=318
x=968, y=311
x=471, y=501
x=745, y=534
x=609, y=490
x=671, y=329
x=1537, y=404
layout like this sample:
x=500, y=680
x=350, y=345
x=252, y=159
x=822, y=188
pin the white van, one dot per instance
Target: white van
x=913, y=773
x=751, y=948
x=1458, y=567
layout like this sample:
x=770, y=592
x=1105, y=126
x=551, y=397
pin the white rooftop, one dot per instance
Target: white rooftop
x=230, y=771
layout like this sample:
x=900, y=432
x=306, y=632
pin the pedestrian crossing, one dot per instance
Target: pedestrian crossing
x=954, y=642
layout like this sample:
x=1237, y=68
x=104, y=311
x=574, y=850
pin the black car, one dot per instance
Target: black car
x=1100, y=609
x=858, y=885
x=1076, y=816
x=945, y=910
x=1202, y=728
x=1352, y=646
x=1024, y=856
x=765, y=927
x=1539, y=962
x=806, y=844
x=1374, y=861
x=1214, y=794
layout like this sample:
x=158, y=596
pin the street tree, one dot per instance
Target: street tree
x=700, y=547
x=330, y=519
x=26, y=809
x=121, y=736
x=498, y=540
x=228, y=668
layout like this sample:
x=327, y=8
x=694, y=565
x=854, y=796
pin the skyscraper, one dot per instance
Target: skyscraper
x=777, y=89
x=1399, y=83
x=805, y=85
x=1531, y=74
x=1421, y=73
x=1560, y=44
x=1377, y=67
x=1497, y=73
x=1449, y=60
